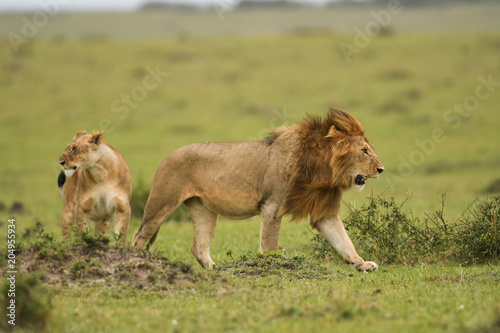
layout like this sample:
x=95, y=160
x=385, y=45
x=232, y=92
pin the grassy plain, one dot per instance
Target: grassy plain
x=235, y=87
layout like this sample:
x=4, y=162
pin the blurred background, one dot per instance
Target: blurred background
x=423, y=77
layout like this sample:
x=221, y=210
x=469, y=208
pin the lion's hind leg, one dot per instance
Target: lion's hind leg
x=151, y=223
x=204, y=224
x=169, y=190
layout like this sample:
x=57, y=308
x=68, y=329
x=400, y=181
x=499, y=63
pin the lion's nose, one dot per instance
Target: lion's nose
x=380, y=170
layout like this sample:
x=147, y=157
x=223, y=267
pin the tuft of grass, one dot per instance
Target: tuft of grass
x=253, y=264
x=91, y=242
x=78, y=269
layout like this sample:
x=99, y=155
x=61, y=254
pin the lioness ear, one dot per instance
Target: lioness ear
x=96, y=138
x=79, y=134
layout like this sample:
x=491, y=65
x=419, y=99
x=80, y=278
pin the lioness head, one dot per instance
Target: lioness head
x=81, y=153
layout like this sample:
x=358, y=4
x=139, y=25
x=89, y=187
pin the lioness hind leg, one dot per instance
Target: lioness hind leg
x=335, y=233
x=204, y=224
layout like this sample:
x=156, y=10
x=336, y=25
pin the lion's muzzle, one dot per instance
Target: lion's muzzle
x=360, y=180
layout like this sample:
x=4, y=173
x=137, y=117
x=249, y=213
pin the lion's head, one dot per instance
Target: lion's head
x=81, y=153
x=332, y=154
x=353, y=159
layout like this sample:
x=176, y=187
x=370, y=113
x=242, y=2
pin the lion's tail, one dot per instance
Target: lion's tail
x=60, y=182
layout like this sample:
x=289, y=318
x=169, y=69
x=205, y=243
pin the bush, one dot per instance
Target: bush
x=477, y=236
x=386, y=232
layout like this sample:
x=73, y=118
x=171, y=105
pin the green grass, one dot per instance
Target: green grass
x=231, y=87
x=449, y=299
x=294, y=291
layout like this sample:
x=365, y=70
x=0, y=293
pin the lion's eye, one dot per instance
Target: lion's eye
x=72, y=149
x=365, y=151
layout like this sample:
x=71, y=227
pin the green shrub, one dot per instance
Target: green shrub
x=384, y=230
x=91, y=241
x=477, y=235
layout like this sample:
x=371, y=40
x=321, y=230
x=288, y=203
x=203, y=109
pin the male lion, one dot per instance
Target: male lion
x=95, y=185
x=299, y=170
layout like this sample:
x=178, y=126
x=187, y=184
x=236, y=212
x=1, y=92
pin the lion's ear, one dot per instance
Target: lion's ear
x=333, y=133
x=96, y=138
x=79, y=134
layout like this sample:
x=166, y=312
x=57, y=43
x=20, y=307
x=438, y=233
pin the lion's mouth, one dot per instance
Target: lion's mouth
x=359, y=180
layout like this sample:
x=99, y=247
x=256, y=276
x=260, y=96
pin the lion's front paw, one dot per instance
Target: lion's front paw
x=366, y=266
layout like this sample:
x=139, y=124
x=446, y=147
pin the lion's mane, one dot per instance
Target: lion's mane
x=321, y=163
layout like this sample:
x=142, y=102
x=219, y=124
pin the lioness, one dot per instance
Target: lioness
x=95, y=185
x=299, y=170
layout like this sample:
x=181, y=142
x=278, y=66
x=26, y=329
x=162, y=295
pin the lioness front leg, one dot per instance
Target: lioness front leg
x=334, y=231
x=67, y=221
x=122, y=219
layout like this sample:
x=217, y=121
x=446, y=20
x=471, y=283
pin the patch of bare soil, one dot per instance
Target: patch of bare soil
x=91, y=258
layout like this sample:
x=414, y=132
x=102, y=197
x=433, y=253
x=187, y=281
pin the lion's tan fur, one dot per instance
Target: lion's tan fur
x=98, y=185
x=298, y=170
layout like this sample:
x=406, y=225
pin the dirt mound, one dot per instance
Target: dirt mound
x=89, y=258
